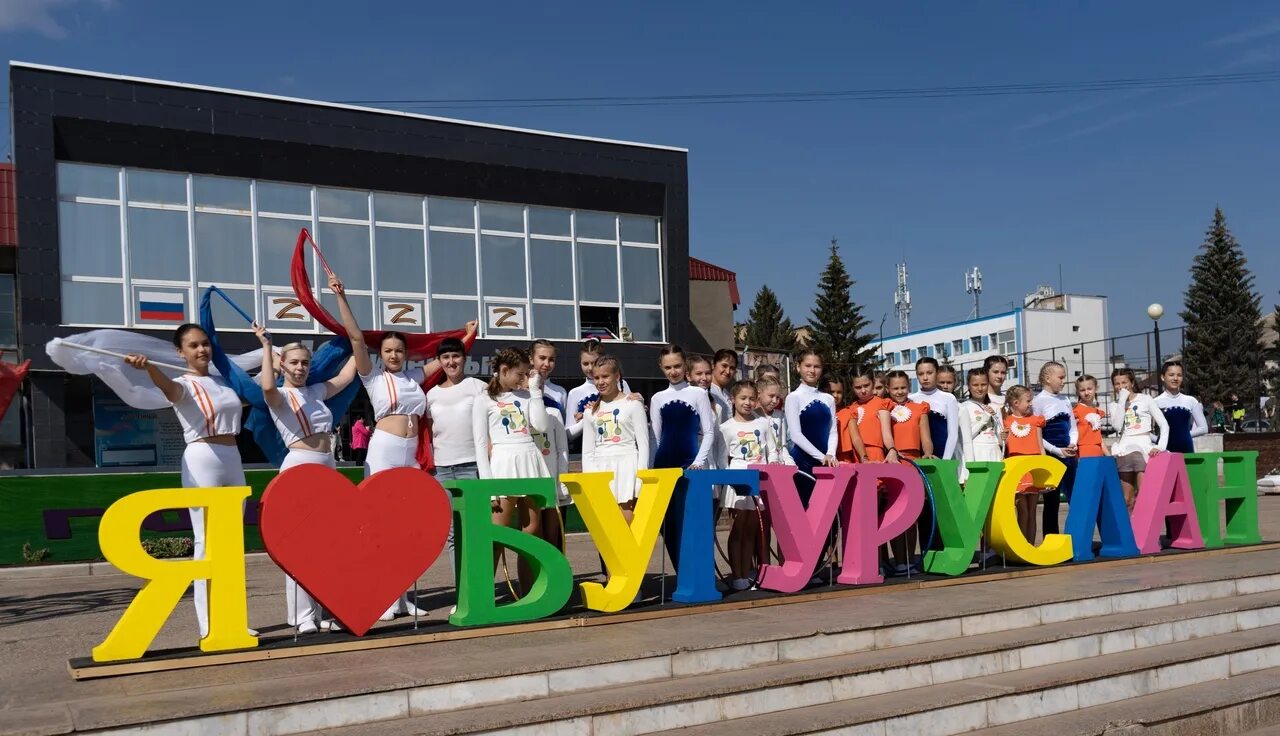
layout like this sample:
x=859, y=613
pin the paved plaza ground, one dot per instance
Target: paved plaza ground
x=51, y=614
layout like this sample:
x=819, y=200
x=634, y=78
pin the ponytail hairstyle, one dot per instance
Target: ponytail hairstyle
x=972, y=374
x=800, y=356
x=766, y=381
x=994, y=360
x=888, y=378
x=672, y=349
x=1013, y=394
x=738, y=387
x=542, y=343
x=590, y=346
x=504, y=358
x=1044, y=369
x=608, y=361
x=696, y=360
x=284, y=351
x=947, y=368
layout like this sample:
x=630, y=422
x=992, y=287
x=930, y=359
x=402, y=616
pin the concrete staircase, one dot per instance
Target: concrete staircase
x=1160, y=645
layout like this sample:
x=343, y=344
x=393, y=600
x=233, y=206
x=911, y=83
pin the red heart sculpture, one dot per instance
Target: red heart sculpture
x=355, y=549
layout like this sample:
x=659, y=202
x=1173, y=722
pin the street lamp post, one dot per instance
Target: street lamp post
x=1155, y=312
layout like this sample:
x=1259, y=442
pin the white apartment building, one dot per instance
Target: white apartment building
x=1069, y=328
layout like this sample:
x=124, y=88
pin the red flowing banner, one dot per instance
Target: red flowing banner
x=419, y=346
x=11, y=376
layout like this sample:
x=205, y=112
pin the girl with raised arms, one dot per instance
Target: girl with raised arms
x=399, y=404
x=305, y=424
x=209, y=413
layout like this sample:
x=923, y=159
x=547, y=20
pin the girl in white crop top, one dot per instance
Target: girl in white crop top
x=305, y=422
x=209, y=412
x=503, y=421
x=398, y=405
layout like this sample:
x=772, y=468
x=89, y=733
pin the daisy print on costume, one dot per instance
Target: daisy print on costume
x=1019, y=429
x=900, y=413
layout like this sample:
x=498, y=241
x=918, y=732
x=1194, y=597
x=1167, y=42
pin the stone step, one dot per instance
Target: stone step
x=777, y=689
x=1246, y=704
x=1012, y=698
x=294, y=695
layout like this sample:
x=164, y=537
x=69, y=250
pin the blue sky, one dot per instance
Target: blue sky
x=1115, y=187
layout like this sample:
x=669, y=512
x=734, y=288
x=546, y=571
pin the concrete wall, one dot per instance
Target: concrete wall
x=1074, y=335
x=711, y=312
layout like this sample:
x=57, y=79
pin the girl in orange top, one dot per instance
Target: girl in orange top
x=911, y=440
x=864, y=434
x=1024, y=430
x=1088, y=418
x=905, y=427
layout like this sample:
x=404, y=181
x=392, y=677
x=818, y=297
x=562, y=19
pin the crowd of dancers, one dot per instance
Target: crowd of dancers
x=520, y=424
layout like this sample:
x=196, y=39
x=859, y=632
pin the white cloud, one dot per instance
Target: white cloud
x=1262, y=30
x=39, y=16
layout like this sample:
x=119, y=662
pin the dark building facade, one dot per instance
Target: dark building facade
x=134, y=195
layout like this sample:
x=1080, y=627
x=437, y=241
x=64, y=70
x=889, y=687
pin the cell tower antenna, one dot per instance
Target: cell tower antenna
x=973, y=285
x=902, y=301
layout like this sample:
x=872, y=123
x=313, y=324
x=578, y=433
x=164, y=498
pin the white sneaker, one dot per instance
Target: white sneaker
x=307, y=627
x=453, y=610
x=330, y=626
x=253, y=632
x=389, y=615
x=412, y=610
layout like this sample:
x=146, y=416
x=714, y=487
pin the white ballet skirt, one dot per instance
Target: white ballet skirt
x=624, y=463
x=731, y=499
x=522, y=460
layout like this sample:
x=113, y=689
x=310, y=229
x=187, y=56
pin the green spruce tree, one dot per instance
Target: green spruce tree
x=767, y=326
x=1222, y=349
x=836, y=324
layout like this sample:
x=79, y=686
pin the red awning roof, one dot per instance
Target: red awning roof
x=700, y=270
x=8, y=207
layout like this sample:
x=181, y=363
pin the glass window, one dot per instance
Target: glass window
x=153, y=186
x=975, y=344
x=215, y=191
x=957, y=347
x=451, y=212
x=158, y=245
x=397, y=208
x=289, y=199
x=8, y=311
x=452, y=314
x=361, y=307
x=641, y=281
x=645, y=324
x=509, y=217
x=89, y=239
x=639, y=229
x=550, y=222
x=88, y=181
x=276, y=241
x=224, y=315
x=11, y=423
x=402, y=256
x=596, y=225
x=224, y=249
x=92, y=304
x=342, y=203
x=597, y=273
x=452, y=264
x=502, y=266
x=346, y=248
x=551, y=268
x=554, y=322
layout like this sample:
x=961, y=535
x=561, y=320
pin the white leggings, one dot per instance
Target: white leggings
x=206, y=465
x=300, y=606
x=387, y=451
